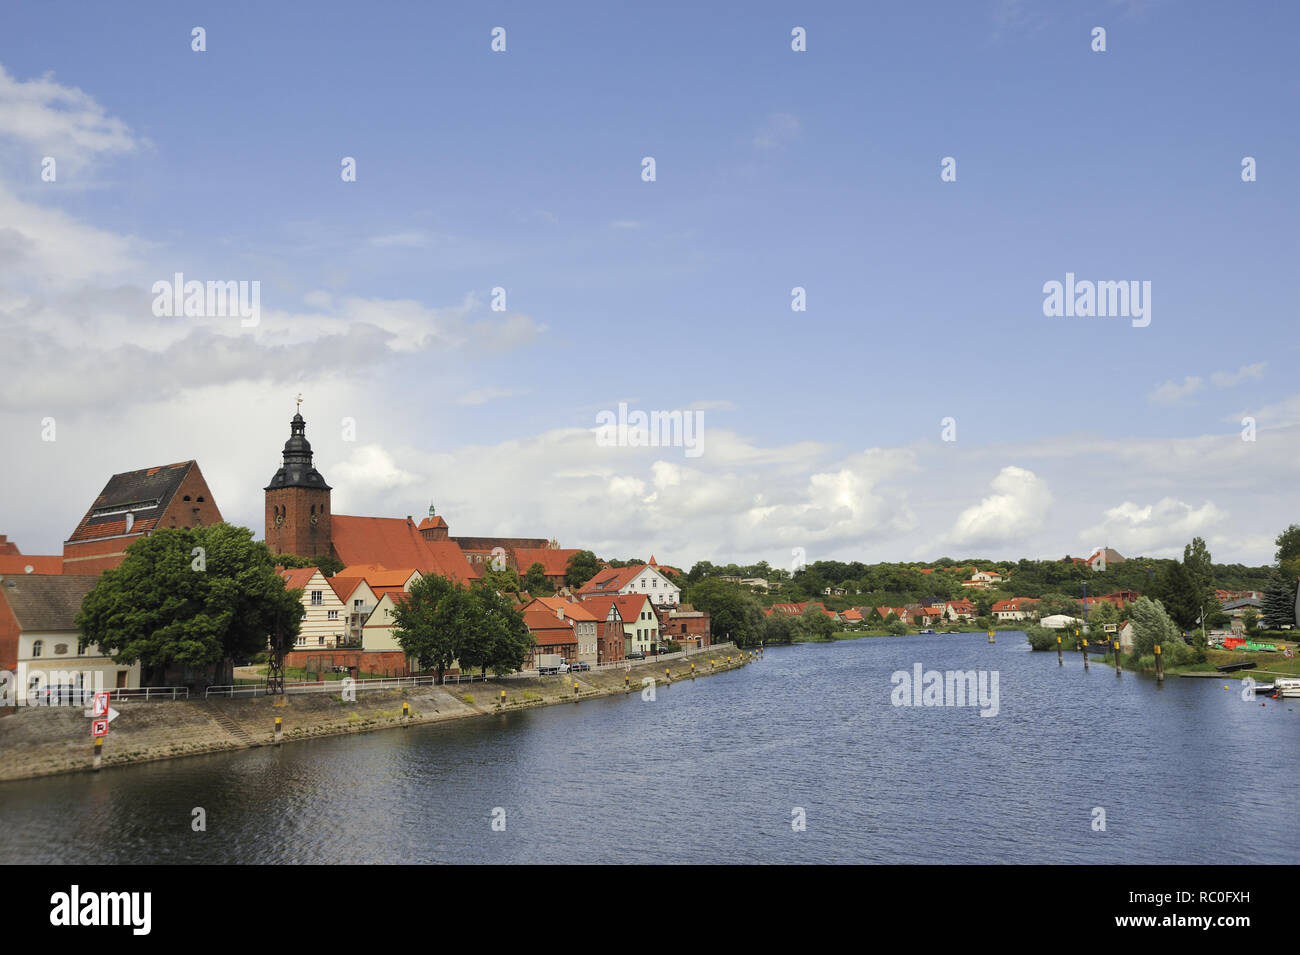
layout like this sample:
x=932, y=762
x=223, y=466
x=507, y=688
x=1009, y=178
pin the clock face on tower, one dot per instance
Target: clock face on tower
x=279, y=520
x=313, y=519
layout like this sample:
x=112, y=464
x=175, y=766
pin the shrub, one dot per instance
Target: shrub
x=1042, y=638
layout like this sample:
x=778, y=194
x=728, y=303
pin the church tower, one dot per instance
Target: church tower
x=298, y=500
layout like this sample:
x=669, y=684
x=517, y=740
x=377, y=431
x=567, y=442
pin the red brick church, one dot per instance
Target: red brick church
x=300, y=521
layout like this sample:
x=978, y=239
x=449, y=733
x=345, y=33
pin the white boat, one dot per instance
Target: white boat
x=1286, y=687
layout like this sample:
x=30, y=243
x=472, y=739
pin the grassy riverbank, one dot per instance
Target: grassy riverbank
x=44, y=741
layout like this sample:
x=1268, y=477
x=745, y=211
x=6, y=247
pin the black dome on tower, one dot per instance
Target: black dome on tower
x=297, y=470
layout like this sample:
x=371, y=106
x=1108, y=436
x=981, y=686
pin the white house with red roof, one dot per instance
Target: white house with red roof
x=961, y=610
x=640, y=622
x=323, y=623
x=983, y=580
x=1017, y=608
x=645, y=579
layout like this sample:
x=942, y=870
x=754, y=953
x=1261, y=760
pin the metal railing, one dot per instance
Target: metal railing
x=322, y=686
x=151, y=693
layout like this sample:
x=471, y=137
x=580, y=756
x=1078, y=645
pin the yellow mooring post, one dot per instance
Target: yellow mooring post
x=627, y=683
x=575, y=689
x=1059, y=661
x=692, y=671
x=1115, y=647
x=1085, y=653
x=279, y=729
x=406, y=714
x=503, y=698
x=1160, y=665
x=98, y=750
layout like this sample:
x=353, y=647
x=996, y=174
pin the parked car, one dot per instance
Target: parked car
x=636, y=655
x=553, y=668
x=580, y=667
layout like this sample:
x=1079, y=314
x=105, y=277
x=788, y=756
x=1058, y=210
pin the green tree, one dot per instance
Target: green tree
x=1101, y=614
x=1181, y=596
x=581, y=568
x=815, y=625
x=329, y=564
x=1250, y=617
x=1152, y=625
x=1288, y=552
x=1279, y=603
x=508, y=639
x=896, y=626
x=424, y=629
x=535, y=581
x=192, y=598
x=732, y=613
x=1196, y=558
x=778, y=628
x=505, y=580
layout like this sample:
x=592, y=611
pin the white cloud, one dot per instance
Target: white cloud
x=1016, y=508
x=1171, y=392
x=372, y=468
x=1226, y=379
x=1154, y=530
x=48, y=119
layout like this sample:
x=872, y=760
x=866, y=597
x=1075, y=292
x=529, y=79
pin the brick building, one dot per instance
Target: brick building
x=131, y=506
x=298, y=500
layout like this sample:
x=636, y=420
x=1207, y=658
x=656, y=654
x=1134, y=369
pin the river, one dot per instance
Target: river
x=717, y=770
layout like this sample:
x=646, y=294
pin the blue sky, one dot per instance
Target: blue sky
x=775, y=169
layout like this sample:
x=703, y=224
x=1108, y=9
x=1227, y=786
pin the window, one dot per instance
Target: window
x=317, y=598
x=358, y=604
x=199, y=498
x=320, y=641
x=333, y=615
x=81, y=650
x=301, y=641
x=37, y=647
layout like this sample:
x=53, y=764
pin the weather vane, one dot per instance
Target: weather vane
x=300, y=401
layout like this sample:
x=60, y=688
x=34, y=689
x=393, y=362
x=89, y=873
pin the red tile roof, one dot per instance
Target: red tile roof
x=611, y=580
x=548, y=629
x=554, y=561
x=378, y=576
x=630, y=606
x=146, y=493
x=395, y=542
x=344, y=586
x=297, y=578
x=1015, y=603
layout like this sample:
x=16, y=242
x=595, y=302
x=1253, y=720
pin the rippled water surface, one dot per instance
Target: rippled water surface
x=712, y=770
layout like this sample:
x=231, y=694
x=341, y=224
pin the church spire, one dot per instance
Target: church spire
x=297, y=469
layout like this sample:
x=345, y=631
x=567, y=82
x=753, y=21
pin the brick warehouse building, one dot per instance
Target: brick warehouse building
x=131, y=506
